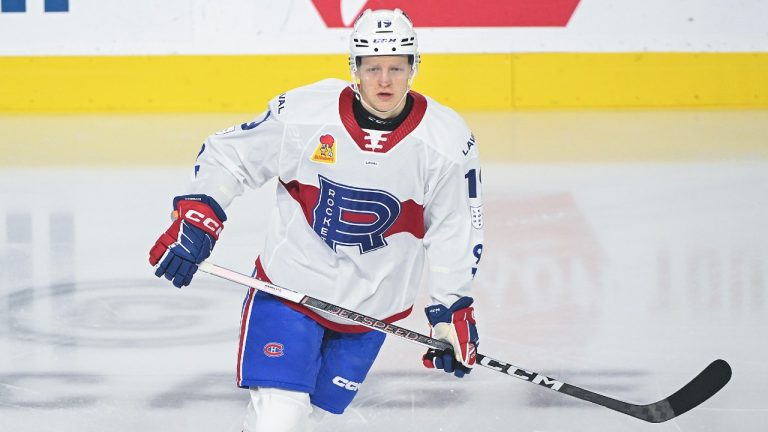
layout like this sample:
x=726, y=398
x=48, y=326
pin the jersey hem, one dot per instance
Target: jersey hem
x=328, y=324
x=343, y=328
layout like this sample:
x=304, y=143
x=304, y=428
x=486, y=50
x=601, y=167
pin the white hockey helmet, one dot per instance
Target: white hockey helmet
x=383, y=32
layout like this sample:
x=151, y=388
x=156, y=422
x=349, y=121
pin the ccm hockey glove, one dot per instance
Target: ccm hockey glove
x=457, y=326
x=197, y=222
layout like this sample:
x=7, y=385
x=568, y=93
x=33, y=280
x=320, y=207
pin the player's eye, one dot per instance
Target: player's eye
x=397, y=71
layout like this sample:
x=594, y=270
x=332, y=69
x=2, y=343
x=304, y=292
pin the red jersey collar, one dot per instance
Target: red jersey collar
x=358, y=135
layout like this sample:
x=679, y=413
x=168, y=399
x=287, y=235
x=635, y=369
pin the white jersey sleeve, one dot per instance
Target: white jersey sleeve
x=454, y=221
x=242, y=155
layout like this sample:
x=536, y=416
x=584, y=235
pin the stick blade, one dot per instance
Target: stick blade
x=708, y=382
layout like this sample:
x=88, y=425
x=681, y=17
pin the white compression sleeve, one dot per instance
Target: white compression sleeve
x=278, y=410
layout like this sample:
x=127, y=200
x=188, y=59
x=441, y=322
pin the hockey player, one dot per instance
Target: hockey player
x=374, y=181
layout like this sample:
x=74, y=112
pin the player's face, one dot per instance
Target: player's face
x=383, y=83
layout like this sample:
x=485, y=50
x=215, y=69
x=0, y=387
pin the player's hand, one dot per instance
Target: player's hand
x=198, y=220
x=455, y=325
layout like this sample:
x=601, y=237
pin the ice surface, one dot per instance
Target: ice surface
x=626, y=279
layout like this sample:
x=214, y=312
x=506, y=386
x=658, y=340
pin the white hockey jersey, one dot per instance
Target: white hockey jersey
x=358, y=211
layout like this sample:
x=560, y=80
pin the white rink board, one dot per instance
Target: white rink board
x=115, y=27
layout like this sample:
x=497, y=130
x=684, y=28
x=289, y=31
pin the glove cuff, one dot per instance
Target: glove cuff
x=205, y=199
x=439, y=313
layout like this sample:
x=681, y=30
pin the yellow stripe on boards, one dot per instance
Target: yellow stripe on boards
x=244, y=83
x=467, y=81
x=640, y=80
x=156, y=83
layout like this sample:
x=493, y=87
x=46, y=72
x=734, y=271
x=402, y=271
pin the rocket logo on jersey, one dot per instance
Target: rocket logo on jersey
x=326, y=150
x=353, y=216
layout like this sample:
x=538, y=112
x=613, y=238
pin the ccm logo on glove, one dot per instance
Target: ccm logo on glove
x=213, y=226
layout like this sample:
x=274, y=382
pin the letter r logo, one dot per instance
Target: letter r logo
x=351, y=216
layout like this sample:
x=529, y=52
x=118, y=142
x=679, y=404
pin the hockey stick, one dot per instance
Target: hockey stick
x=702, y=387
